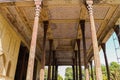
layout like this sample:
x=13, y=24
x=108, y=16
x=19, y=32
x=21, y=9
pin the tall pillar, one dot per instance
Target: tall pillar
x=33, y=41
x=117, y=31
x=82, y=23
x=50, y=56
x=106, y=61
x=94, y=41
x=91, y=70
x=56, y=72
x=53, y=72
x=46, y=23
x=79, y=57
x=73, y=68
x=53, y=68
x=76, y=65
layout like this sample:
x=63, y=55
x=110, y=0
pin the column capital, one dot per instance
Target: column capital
x=90, y=6
x=38, y=2
x=38, y=7
x=89, y=2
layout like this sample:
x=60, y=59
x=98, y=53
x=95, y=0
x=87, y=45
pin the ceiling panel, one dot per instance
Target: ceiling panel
x=64, y=12
x=66, y=30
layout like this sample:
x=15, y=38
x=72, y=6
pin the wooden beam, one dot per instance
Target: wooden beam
x=69, y=20
x=20, y=4
x=110, y=1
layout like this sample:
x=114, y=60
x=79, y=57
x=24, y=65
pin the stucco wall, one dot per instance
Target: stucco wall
x=9, y=49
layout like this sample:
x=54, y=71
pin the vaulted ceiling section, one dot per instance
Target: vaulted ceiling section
x=64, y=27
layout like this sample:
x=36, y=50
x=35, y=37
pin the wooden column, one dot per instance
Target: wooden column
x=117, y=31
x=73, y=68
x=53, y=72
x=79, y=57
x=33, y=42
x=82, y=23
x=46, y=23
x=94, y=41
x=53, y=68
x=106, y=61
x=50, y=56
x=76, y=65
x=56, y=72
x=91, y=70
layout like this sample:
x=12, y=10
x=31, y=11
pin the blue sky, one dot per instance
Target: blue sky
x=110, y=51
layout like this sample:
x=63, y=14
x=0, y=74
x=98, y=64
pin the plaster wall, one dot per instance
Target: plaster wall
x=9, y=49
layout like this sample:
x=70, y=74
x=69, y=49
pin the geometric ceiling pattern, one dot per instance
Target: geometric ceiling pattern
x=63, y=17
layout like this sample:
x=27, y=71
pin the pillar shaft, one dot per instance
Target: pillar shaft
x=56, y=72
x=91, y=70
x=76, y=65
x=53, y=69
x=33, y=42
x=44, y=51
x=82, y=23
x=106, y=61
x=53, y=72
x=79, y=57
x=50, y=56
x=94, y=41
x=73, y=68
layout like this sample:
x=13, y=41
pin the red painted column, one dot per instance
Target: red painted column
x=33, y=42
x=94, y=41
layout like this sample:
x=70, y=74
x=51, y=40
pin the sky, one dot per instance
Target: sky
x=110, y=51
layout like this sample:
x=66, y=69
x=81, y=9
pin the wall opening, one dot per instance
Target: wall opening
x=22, y=63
